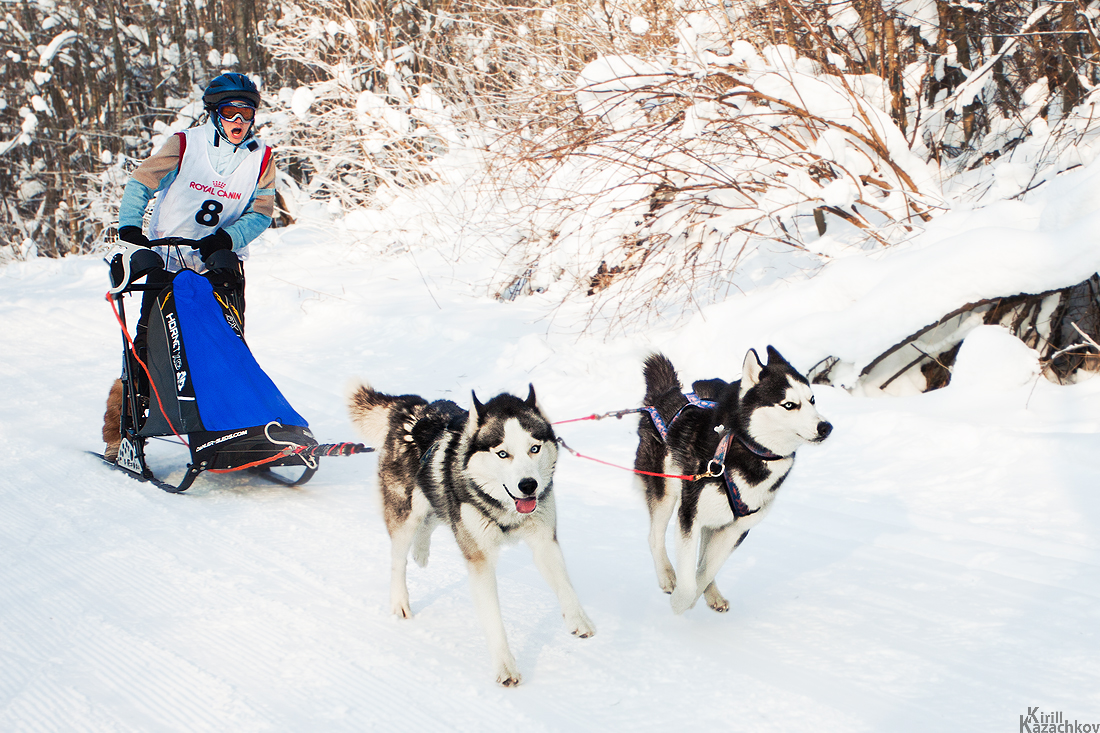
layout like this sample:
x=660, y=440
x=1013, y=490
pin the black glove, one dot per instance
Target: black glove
x=212, y=243
x=133, y=235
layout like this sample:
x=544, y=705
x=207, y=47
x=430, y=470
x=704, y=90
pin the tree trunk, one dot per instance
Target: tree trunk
x=120, y=67
x=870, y=11
x=893, y=72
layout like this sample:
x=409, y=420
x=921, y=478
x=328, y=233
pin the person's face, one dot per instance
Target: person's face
x=236, y=120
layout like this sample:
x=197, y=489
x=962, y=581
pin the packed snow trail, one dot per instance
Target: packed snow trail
x=934, y=565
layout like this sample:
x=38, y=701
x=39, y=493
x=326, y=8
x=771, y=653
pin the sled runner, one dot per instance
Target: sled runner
x=195, y=379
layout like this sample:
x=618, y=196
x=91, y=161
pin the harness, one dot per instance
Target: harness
x=717, y=464
x=659, y=423
x=428, y=453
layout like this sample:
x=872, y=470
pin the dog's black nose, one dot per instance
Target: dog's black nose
x=823, y=430
x=528, y=486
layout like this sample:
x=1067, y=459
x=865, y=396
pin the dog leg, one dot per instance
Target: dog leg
x=686, y=592
x=483, y=586
x=652, y=457
x=551, y=563
x=704, y=542
x=660, y=512
x=716, y=549
x=713, y=596
x=689, y=533
x=423, y=539
x=403, y=532
x=401, y=538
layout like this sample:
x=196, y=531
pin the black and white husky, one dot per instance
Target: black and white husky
x=488, y=474
x=737, y=443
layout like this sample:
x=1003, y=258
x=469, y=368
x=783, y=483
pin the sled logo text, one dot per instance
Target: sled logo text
x=222, y=439
x=174, y=334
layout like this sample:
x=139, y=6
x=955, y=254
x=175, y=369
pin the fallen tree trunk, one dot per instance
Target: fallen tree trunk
x=1056, y=323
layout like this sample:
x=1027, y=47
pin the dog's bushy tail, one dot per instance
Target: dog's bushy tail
x=661, y=380
x=370, y=412
x=379, y=417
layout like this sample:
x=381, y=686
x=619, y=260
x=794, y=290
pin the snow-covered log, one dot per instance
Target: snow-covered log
x=1062, y=325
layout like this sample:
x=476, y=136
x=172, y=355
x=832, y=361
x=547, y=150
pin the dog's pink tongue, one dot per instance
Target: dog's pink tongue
x=525, y=506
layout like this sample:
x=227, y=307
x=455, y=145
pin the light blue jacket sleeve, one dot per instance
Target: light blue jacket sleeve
x=136, y=196
x=251, y=225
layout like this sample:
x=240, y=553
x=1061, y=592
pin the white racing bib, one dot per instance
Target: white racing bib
x=200, y=200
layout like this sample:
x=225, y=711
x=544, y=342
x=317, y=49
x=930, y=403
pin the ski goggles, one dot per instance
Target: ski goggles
x=230, y=111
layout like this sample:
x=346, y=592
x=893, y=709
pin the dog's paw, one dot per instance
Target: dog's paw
x=667, y=579
x=508, y=675
x=580, y=625
x=682, y=601
x=716, y=600
x=400, y=607
x=420, y=555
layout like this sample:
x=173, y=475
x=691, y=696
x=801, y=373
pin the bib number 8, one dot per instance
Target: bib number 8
x=208, y=213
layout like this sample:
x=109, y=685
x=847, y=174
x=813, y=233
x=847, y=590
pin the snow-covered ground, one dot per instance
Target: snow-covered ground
x=935, y=565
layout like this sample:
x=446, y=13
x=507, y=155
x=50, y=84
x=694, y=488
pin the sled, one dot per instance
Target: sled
x=198, y=382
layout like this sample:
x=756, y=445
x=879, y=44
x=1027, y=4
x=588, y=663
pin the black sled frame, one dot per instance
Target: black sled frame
x=256, y=450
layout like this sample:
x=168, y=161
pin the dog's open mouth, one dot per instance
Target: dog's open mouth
x=524, y=505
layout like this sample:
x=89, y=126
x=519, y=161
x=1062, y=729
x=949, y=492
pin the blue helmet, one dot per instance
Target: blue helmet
x=231, y=87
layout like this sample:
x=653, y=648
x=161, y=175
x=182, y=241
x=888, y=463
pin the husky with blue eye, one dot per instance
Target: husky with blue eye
x=487, y=473
x=736, y=443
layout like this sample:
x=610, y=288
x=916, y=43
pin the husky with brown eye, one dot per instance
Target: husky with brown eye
x=736, y=443
x=488, y=474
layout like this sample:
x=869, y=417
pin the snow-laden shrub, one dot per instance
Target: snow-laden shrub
x=675, y=177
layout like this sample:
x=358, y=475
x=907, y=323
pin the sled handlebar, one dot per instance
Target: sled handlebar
x=130, y=262
x=173, y=242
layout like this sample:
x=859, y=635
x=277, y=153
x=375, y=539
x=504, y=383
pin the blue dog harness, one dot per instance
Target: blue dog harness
x=659, y=423
x=717, y=465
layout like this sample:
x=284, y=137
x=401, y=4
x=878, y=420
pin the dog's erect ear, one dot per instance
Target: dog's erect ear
x=530, y=401
x=479, y=409
x=774, y=357
x=750, y=372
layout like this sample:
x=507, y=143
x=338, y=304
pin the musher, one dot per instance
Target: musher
x=216, y=185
